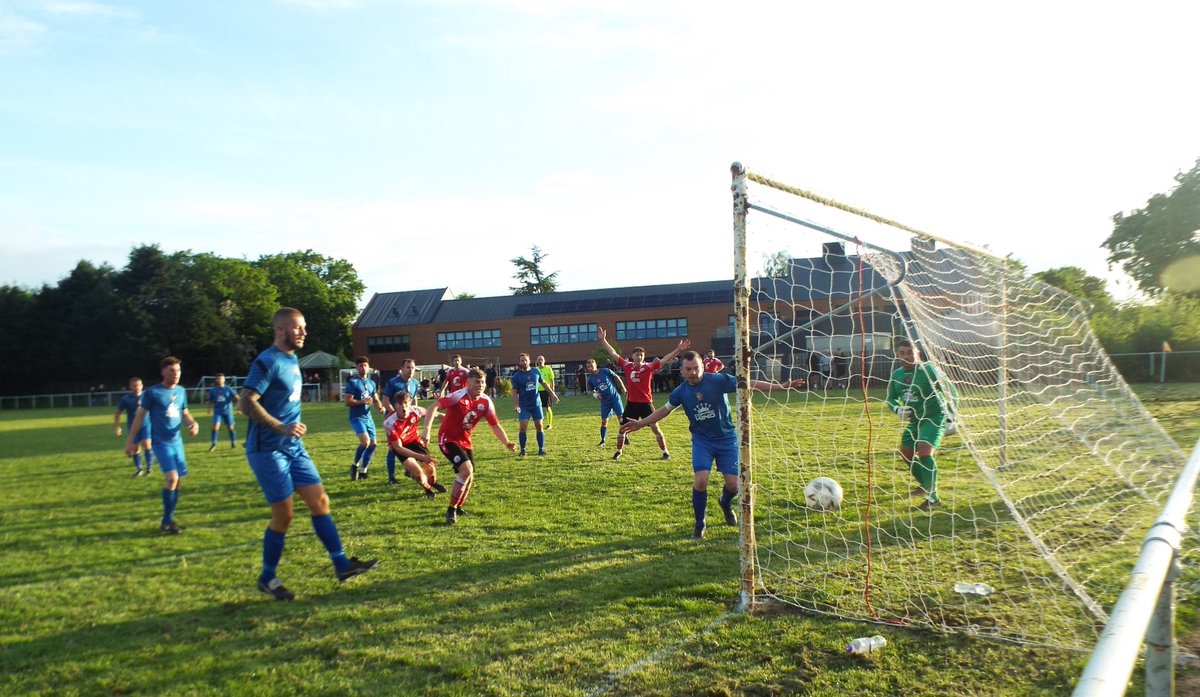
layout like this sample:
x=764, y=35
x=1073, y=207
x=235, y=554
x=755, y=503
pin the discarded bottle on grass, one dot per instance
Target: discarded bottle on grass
x=972, y=588
x=866, y=644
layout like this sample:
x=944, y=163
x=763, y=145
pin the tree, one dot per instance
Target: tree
x=1149, y=241
x=530, y=275
x=464, y=296
x=777, y=265
x=326, y=290
x=1077, y=282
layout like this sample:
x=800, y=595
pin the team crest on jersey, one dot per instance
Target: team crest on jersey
x=700, y=396
x=481, y=407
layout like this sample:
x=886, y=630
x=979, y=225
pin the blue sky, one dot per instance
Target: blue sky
x=431, y=142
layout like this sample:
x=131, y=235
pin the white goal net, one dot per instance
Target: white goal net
x=1043, y=495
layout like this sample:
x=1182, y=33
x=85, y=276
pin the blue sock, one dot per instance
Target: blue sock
x=603, y=433
x=213, y=439
x=541, y=439
x=232, y=437
x=149, y=455
x=327, y=532
x=367, y=455
x=272, y=553
x=137, y=461
x=359, y=453
x=391, y=465
x=727, y=496
x=522, y=438
x=169, y=498
x=699, y=504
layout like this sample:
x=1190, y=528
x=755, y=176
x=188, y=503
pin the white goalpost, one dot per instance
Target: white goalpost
x=1049, y=479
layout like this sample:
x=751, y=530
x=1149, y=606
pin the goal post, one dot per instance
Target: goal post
x=1024, y=520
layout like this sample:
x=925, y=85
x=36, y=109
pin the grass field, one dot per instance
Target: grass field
x=575, y=577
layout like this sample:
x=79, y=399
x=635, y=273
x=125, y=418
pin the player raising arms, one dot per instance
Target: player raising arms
x=464, y=409
x=129, y=406
x=220, y=404
x=360, y=395
x=405, y=443
x=703, y=398
x=527, y=384
x=456, y=376
x=638, y=374
x=166, y=406
x=607, y=387
x=275, y=450
x=402, y=383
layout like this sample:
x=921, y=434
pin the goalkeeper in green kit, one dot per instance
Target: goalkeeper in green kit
x=915, y=395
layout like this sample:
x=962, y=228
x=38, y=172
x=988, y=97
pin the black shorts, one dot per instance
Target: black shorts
x=545, y=397
x=417, y=447
x=637, y=410
x=456, y=454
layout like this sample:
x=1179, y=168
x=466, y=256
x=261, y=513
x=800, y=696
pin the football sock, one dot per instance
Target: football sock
x=213, y=439
x=391, y=464
x=327, y=532
x=541, y=439
x=149, y=455
x=232, y=437
x=927, y=468
x=603, y=433
x=168, y=499
x=456, y=493
x=137, y=461
x=367, y=455
x=272, y=553
x=699, y=504
x=358, y=453
x=549, y=417
x=727, y=496
x=522, y=439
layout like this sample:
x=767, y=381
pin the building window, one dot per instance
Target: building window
x=563, y=334
x=387, y=344
x=652, y=329
x=479, y=338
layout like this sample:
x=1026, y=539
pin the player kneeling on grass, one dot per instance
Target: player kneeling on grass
x=714, y=439
x=402, y=427
x=464, y=409
x=276, y=453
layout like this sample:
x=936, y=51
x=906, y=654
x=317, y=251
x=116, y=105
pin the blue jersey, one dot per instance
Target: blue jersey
x=222, y=399
x=275, y=376
x=399, y=384
x=129, y=405
x=166, y=405
x=525, y=385
x=707, y=407
x=360, y=388
x=604, y=382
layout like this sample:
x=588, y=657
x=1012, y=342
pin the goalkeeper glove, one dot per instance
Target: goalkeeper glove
x=596, y=394
x=904, y=412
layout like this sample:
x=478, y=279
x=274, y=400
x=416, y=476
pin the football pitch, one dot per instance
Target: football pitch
x=573, y=576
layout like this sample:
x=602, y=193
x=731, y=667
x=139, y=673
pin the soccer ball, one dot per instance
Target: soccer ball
x=823, y=494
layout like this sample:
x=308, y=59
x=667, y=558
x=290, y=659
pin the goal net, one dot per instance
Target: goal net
x=1045, y=486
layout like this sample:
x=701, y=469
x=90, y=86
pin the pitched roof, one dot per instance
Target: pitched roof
x=401, y=308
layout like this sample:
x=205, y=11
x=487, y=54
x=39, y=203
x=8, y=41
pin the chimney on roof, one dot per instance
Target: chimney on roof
x=833, y=251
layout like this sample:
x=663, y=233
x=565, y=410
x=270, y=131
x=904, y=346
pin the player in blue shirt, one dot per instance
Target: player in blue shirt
x=703, y=398
x=128, y=406
x=360, y=394
x=275, y=450
x=220, y=402
x=166, y=406
x=607, y=387
x=527, y=403
x=402, y=383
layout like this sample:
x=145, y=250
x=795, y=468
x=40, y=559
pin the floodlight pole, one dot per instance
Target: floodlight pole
x=742, y=359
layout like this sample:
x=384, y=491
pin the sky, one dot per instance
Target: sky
x=430, y=143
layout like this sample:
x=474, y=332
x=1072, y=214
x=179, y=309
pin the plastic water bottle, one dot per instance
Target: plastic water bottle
x=972, y=588
x=866, y=644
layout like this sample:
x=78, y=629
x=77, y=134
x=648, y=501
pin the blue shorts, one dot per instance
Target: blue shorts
x=170, y=457
x=725, y=454
x=143, y=432
x=225, y=417
x=363, y=424
x=608, y=407
x=535, y=412
x=280, y=473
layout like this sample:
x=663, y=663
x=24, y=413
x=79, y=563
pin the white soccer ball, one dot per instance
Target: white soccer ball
x=823, y=494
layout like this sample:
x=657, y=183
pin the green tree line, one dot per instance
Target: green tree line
x=102, y=325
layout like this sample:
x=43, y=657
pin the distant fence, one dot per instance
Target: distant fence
x=1158, y=366
x=313, y=391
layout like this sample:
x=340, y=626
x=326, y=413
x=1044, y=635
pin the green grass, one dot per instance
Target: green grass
x=575, y=577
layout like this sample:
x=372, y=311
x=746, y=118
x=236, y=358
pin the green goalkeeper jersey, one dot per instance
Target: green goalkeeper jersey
x=917, y=388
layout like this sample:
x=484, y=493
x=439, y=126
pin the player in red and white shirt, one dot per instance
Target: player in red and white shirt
x=712, y=364
x=464, y=410
x=404, y=438
x=638, y=374
x=456, y=377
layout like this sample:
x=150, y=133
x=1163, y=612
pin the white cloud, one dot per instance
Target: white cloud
x=88, y=10
x=17, y=31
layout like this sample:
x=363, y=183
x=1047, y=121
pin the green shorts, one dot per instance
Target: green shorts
x=923, y=431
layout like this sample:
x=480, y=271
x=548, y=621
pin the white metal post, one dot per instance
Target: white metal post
x=741, y=356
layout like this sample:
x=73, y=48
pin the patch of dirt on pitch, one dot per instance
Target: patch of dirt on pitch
x=1187, y=678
